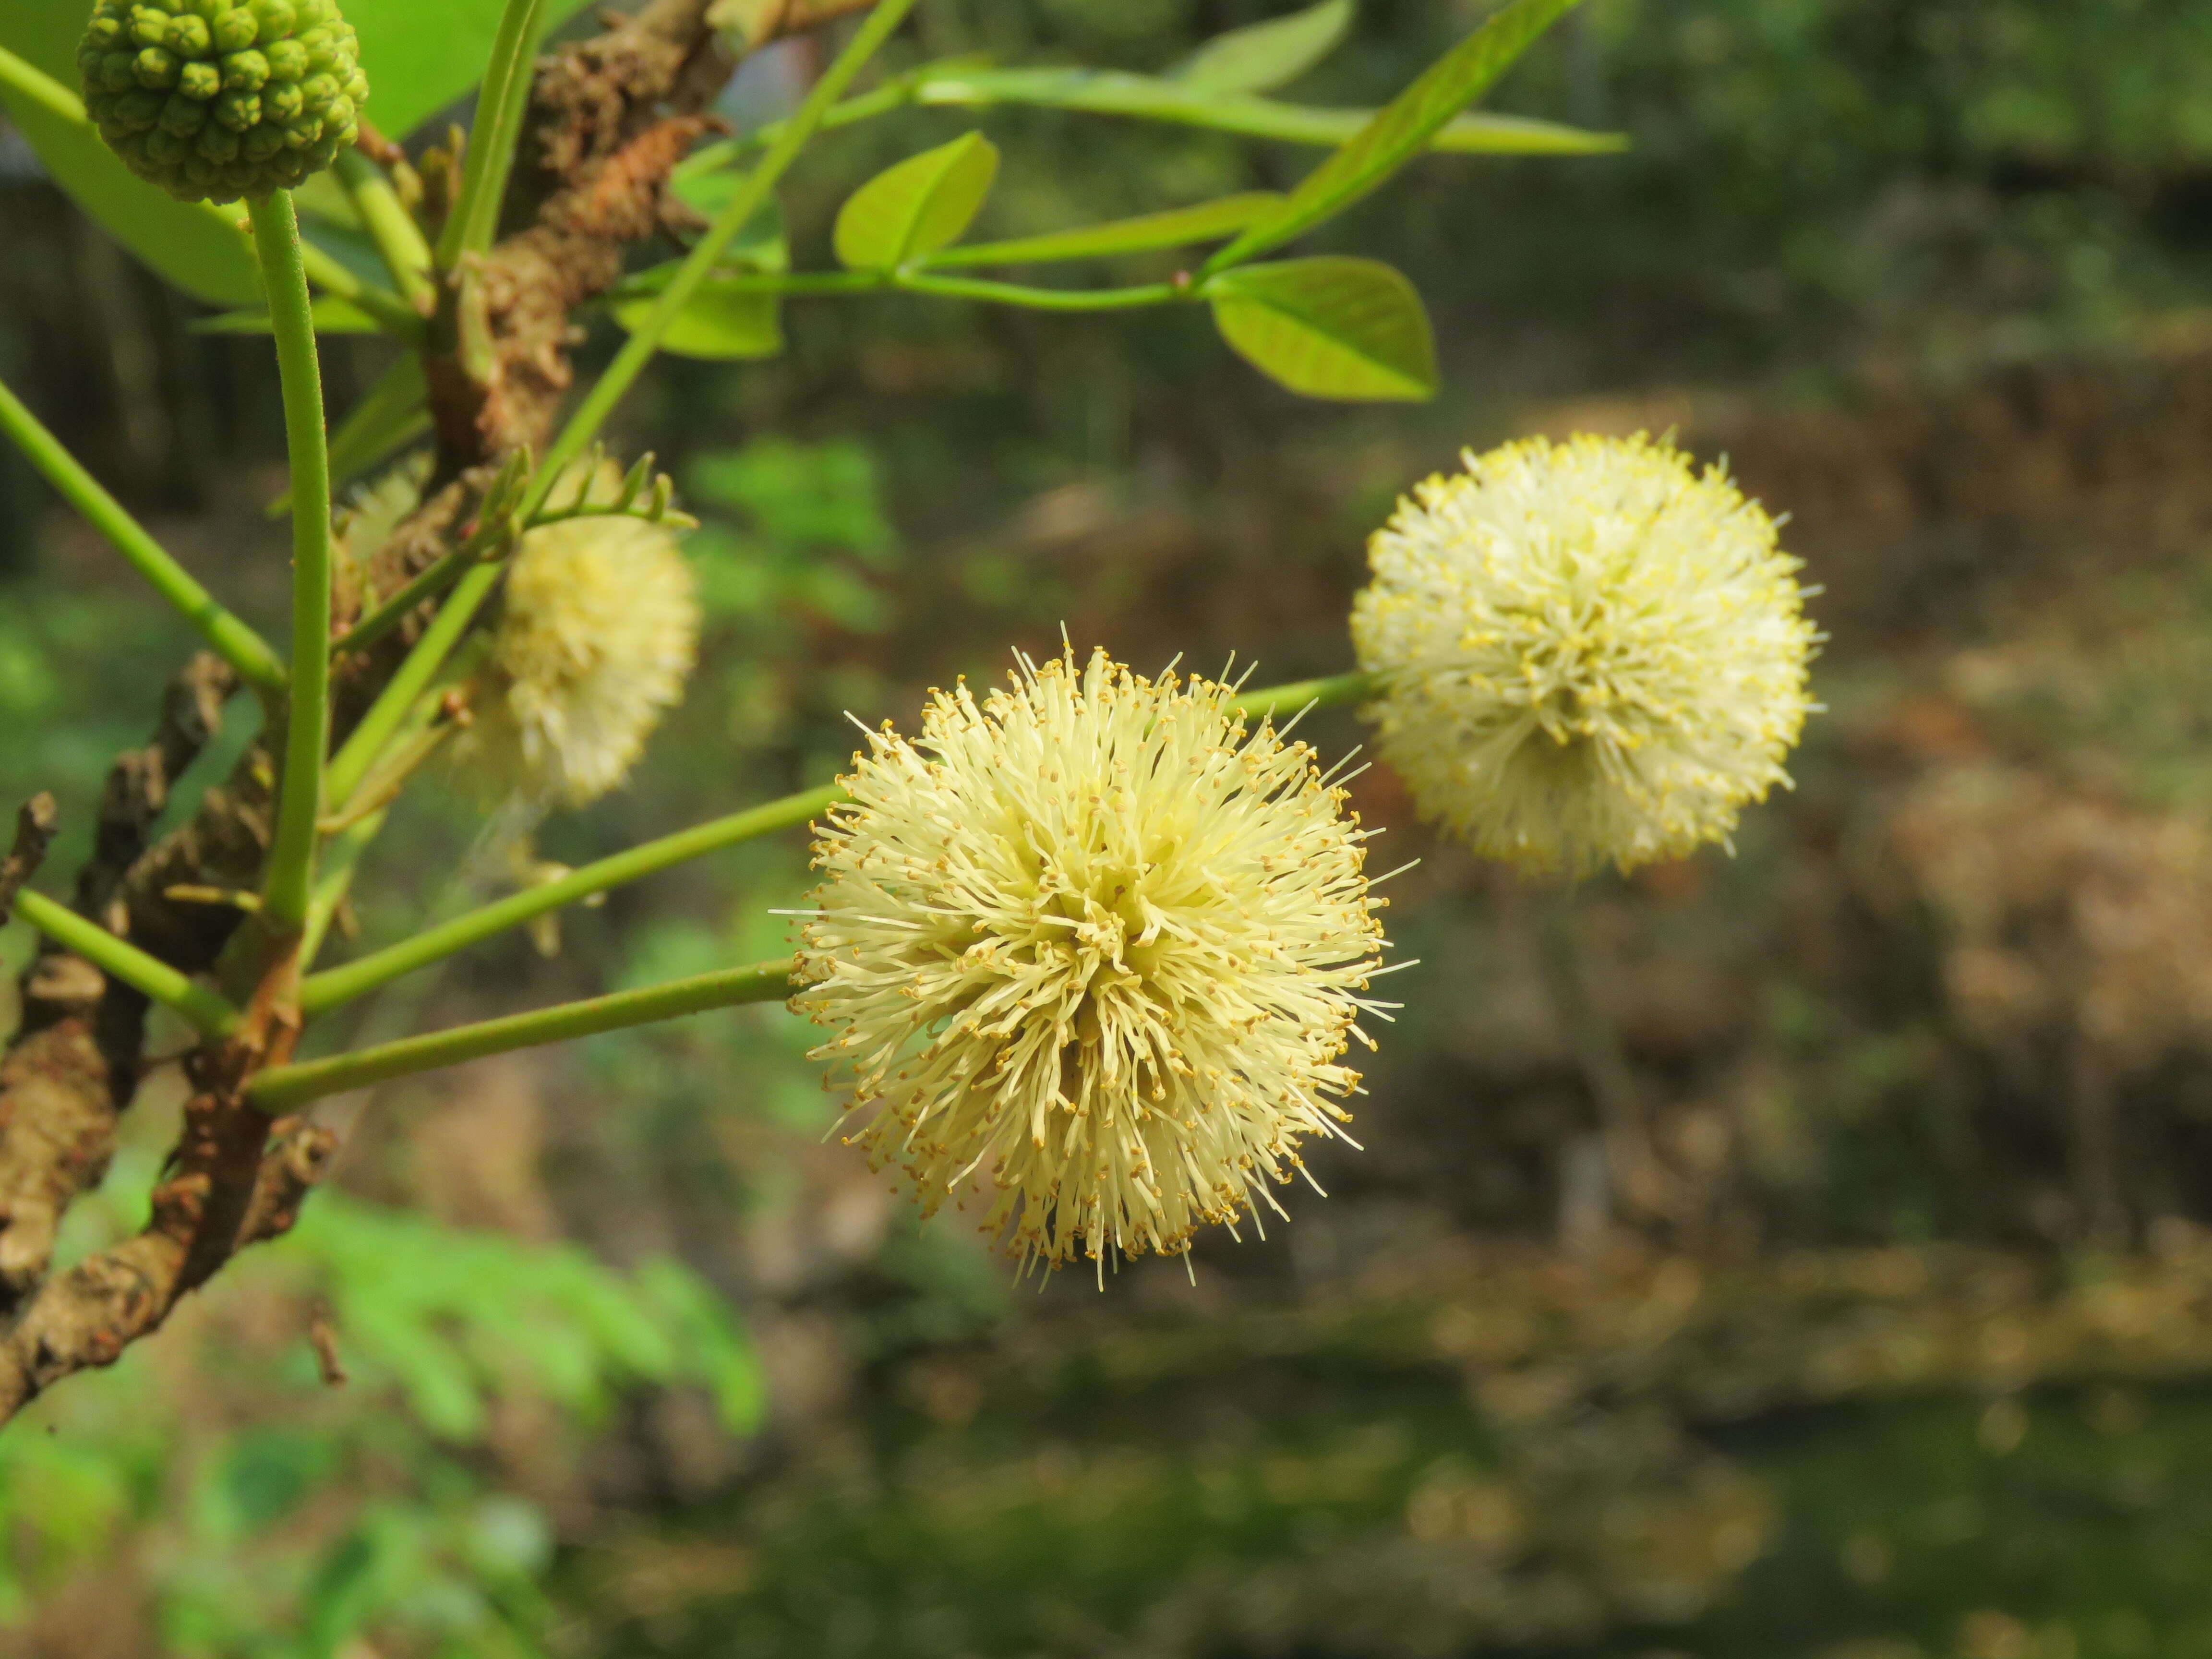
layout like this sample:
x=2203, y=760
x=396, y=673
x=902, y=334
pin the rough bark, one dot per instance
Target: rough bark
x=74, y=1062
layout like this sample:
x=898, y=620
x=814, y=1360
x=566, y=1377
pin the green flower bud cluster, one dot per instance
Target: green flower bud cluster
x=213, y=100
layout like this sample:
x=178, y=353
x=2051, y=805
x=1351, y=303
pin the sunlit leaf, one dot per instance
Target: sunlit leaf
x=1330, y=327
x=331, y=316
x=197, y=250
x=1154, y=98
x=1403, y=128
x=925, y=203
x=725, y=320
x=422, y=55
x=1264, y=55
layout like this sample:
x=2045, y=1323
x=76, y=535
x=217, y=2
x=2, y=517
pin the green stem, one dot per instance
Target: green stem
x=475, y=217
x=399, y=239
x=584, y=425
x=329, y=989
x=816, y=284
x=393, y=704
x=237, y=644
x=292, y=860
x=1042, y=299
x=338, y=866
x=516, y=110
x=389, y=776
x=896, y=94
x=21, y=75
x=208, y=1010
x=432, y=582
x=281, y=1088
x=336, y=986
x=1335, y=692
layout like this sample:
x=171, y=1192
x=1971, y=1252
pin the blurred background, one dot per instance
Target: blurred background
x=1798, y=1252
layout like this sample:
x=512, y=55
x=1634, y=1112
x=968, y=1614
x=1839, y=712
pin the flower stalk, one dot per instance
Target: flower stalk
x=390, y=711
x=399, y=239
x=210, y=1012
x=292, y=860
x=283, y=1088
x=231, y=639
x=337, y=986
x=490, y=152
x=1335, y=692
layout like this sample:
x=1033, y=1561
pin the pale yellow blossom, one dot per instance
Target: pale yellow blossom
x=1587, y=652
x=1093, y=943
x=597, y=635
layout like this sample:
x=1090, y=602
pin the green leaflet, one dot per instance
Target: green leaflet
x=1152, y=98
x=1330, y=327
x=723, y=322
x=1403, y=128
x=923, y=204
x=1264, y=55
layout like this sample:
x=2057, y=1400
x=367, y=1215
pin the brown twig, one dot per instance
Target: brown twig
x=323, y=1337
x=88, y=1316
x=610, y=116
x=75, y=1060
x=35, y=833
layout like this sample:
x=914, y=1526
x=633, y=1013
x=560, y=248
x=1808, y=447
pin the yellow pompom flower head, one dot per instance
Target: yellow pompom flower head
x=1092, y=941
x=213, y=100
x=597, y=635
x=1586, y=653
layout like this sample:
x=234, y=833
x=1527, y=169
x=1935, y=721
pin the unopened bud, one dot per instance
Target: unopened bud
x=214, y=101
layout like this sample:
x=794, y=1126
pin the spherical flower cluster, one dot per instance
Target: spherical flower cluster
x=1586, y=652
x=1093, y=941
x=598, y=632
x=213, y=100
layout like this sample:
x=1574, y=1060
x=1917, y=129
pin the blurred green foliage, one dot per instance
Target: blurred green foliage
x=337, y=1512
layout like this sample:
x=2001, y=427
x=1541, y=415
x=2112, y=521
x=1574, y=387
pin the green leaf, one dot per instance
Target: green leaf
x=332, y=316
x=925, y=203
x=194, y=247
x=421, y=55
x=396, y=409
x=1178, y=227
x=46, y=32
x=1331, y=327
x=1403, y=128
x=1151, y=97
x=719, y=1350
x=725, y=320
x=1265, y=56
